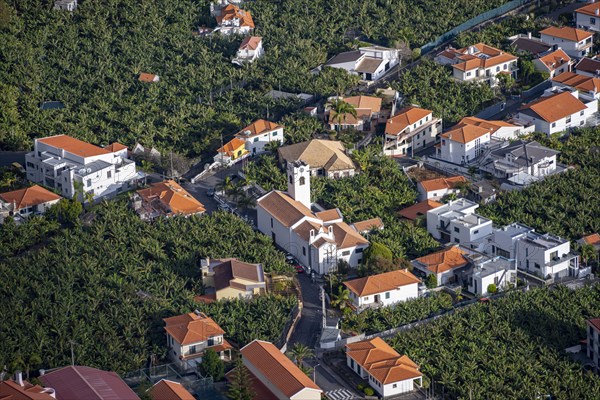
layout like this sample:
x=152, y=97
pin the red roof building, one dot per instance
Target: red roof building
x=24, y=202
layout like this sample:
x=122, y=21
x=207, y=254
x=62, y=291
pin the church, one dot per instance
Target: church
x=318, y=239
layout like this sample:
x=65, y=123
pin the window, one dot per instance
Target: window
x=345, y=253
x=109, y=174
x=456, y=240
x=498, y=68
x=505, y=67
x=291, y=181
x=554, y=124
x=30, y=164
x=387, y=295
x=554, y=255
x=568, y=120
x=89, y=182
x=443, y=142
x=456, y=229
x=366, y=298
x=193, y=349
x=39, y=154
x=394, y=386
x=303, y=250
x=593, y=21
x=271, y=222
x=358, y=251
x=476, y=231
x=302, y=180
x=275, y=133
x=468, y=73
x=536, y=265
x=581, y=113
x=255, y=139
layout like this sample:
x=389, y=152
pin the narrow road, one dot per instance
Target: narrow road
x=309, y=326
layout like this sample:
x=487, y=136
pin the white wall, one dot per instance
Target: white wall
x=404, y=386
x=573, y=49
x=469, y=233
x=256, y=144
x=456, y=152
x=541, y=257
x=398, y=295
x=282, y=233
x=561, y=125
x=588, y=22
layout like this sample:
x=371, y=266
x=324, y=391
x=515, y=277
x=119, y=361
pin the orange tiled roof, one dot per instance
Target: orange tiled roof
x=303, y=230
x=144, y=77
x=441, y=183
x=250, y=43
x=10, y=390
x=444, y=260
x=492, y=126
x=365, y=102
x=590, y=9
x=347, y=237
x=169, y=390
x=579, y=82
x=232, y=146
x=329, y=215
x=116, y=146
x=555, y=60
x=173, y=196
x=230, y=12
x=258, y=127
x=382, y=361
x=72, y=145
x=465, y=133
x=593, y=239
x=28, y=197
x=405, y=117
x=567, y=33
x=419, y=209
x=283, y=208
x=555, y=107
x=381, y=282
x=192, y=328
x=368, y=224
x=279, y=370
x=469, y=62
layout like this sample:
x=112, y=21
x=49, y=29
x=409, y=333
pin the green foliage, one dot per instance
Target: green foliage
x=564, y=204
x=361, y=386
x=510, y=348
x=108, y=285
x=300, y=352
x=66, y=212
x=431, y=281
x=492, y=288
x=369, y=391
x=240, y=387
x=378, y=250
x=212, y=365
x=16, y=238
x=432, y=86
x=265, y=171
x=381, y=319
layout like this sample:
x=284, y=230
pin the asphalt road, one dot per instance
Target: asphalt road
x=9, y=157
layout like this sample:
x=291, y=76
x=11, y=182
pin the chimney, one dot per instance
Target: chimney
x=597, y=11
x=42, y=372
x=19, y=378
x=528, y=35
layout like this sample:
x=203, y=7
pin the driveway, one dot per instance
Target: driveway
x=309, y=326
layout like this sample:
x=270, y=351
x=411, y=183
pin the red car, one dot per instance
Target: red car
x=299, y=269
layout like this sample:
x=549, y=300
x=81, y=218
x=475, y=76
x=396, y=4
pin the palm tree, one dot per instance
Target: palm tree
x=300, y=352
x=247, y=201
x=341, y=299
x=340, y=110
x=587, y=251
x=225, y=185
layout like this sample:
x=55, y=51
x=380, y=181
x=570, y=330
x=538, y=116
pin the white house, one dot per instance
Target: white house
x=588, y=67
x=274, y=376
x=503, y=242
x=457, y=222
x=448, y=265
x=497, y=271
x=189, y=335
x=588, y=17
x=370, y=63
x=367, y=109
x=593, y=339
x=464, y=143
x=250, y=49
x=24, y=202
x=479, y=62
x=575, y=42
x=546, y=255
x=325, y=157
x=388, y=373
x=585, y=84
x=67, y=5
x=412, y=128
x=558, y=112
x=75, y=168
x=500, y=130
x=554, y=62
x=521, y=162
x=383, y=289
x=260, y=133
x=231, y=19
x=317, y=240
x=435, y=189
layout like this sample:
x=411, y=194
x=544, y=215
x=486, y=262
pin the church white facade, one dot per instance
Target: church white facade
x=317, y=239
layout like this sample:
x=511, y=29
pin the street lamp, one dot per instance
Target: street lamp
x=315, y=373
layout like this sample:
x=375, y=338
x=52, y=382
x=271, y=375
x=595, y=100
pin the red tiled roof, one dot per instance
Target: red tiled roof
x=174, y=197
x=431, y=185
x=74, y=146
x=144, y=77
x=232, y=146
x=419, y=209
x=590, y=9
x=555, y=60
x=250, y=43
x=169, y=390
x=78, y=382
x=381, y=282
x=404, y=118
x=329, y=215
x=279, y=370
x=10, y=390
x=465, y=133
x=469, y=61
x=555, y=107
x=593, y=239
x=28, y=197
x=579, y=82
x=444, y=260
x=567, y=33
x=382, y=361
x=116, y=146
x=192, y=328
x=283, y=208
x=368, y=224
x=346, y=237
x=230, y=12
x=258, y=127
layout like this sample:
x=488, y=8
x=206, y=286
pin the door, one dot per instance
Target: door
x=376, y=298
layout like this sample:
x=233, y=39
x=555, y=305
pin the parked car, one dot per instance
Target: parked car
x=210, y=192
x=299, y=269
x=290, y=259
